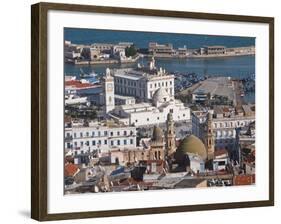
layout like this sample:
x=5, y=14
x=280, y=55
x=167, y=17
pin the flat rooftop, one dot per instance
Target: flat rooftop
x=136, y=106
x=221, y=86
x=137, y=74
x=128, y=74
x=123, y=97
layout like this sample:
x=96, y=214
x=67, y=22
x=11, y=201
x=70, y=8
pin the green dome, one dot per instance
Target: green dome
x=191, y=144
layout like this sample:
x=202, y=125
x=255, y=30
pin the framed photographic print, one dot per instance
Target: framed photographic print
x=138, y=111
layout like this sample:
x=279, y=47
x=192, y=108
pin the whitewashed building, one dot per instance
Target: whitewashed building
x=154, y=90
x=143, y=114
x=224, y=125
x=124, y=100
x=221, y=159
x=100, y=137
x=142, y=82
x=197, y=164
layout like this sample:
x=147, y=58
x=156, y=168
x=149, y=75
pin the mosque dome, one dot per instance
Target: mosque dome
x=191, y=145
x=157, y=135
x=161, y=96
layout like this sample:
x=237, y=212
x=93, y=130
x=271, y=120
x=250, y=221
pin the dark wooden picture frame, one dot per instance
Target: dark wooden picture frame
x=39, y=107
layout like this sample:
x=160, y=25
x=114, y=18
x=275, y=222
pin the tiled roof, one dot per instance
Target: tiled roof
x=243, y=180
x=70, y=169
x=78, y=84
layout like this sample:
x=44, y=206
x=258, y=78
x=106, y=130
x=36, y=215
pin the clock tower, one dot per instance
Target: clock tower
x=108, y=88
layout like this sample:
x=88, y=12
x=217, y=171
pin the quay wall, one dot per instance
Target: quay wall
x=229, y=52
x=106, y=61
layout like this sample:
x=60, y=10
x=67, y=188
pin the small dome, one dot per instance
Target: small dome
x=157, y=134
x=191, y=144
x=161, y=96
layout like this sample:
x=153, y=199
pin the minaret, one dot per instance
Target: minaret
x=170, y=135
x=209, y=137
x=108, y=88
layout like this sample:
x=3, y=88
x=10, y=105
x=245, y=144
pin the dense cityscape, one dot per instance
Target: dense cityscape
x=140, y=127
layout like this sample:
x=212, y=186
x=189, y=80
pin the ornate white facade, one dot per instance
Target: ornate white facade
x=143, y=114
x=155, y=91
x=143, y=82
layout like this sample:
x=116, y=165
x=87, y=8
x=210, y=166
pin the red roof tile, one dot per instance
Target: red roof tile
x=70, y=169
x=243, y=180
x=79, y=84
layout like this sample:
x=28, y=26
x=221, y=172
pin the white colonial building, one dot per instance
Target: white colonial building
x=142, y=82
x=99, y=136
x=153, y=89
x=156, y=112
x=224, y=124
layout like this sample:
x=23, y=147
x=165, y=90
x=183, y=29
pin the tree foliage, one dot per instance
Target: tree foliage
x=130, y=51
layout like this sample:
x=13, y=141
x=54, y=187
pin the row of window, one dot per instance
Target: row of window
x=224, y=134
x=225, y=141
x=126, y=90
x=231, y=124
x=134, y=84
x=158, y=118
x=99, y=134
x=104, y=142
x=159, y=84
x=129, y=82
x=130, y=91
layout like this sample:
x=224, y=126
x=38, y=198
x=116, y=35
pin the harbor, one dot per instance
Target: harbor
x=129, y=52
x=187, y=71
x=156, y=111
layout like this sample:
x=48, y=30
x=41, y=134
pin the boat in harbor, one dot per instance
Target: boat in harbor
x=93, y=80
x=74, y=99
x=69, y=77
x=84, y=75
